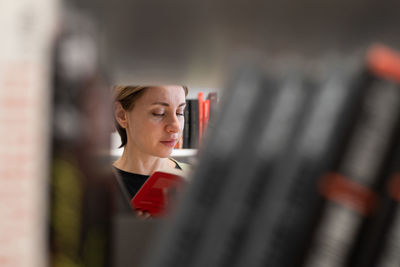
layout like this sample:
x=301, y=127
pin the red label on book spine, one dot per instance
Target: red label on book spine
x=342, y=190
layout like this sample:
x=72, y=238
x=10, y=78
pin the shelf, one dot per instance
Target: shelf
x=175, y=153
x=117, y=152
x=187, y=152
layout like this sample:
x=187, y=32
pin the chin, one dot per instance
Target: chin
x=164, y=154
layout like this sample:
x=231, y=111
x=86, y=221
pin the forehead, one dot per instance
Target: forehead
x=167, y=93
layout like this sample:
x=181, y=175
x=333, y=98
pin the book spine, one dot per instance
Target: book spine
x=268, y=133
x=200, y=99
x=349, y=187
x=377, y=229
x=388, y=255
x=281, y=225
x=206, y=115
x=213, y=97
x=375, y=244
x=194, y=123
x=186, y=129
x=180, y=143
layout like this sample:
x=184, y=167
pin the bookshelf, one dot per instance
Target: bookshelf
x=185, y=155
x=185, y=152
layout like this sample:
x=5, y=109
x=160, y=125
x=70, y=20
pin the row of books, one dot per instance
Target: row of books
x=198, y=113
x=301, y=169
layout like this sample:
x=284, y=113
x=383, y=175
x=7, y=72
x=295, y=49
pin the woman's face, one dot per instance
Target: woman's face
x=155, y=123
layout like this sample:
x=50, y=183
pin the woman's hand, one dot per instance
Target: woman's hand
x=143, y=214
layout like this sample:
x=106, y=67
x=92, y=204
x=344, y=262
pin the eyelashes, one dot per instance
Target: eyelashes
x=163, y=114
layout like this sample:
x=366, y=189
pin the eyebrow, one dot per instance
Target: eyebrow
x=166, y=104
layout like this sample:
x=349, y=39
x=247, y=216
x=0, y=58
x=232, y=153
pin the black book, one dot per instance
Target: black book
x=377, y=243
x=279, y=231
x=273, y=124
x=213, y=97
x=194, y=123
x=386, y=250
x=180, y=242
x=349, y=187
x=186, y=129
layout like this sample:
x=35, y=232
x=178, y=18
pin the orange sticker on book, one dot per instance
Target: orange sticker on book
x=342, y=190
x=384, y=62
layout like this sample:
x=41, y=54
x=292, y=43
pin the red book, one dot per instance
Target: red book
x=206, y=116
x=159, y=191
x=200, y=99
x=179, y=144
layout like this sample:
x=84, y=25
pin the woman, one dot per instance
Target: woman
x=150, y=121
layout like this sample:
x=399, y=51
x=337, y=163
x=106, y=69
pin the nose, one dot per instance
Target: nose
x=173, y=125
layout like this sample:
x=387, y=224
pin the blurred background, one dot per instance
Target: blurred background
x=58, y=61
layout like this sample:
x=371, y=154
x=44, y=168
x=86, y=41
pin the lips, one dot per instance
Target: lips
x=169, y=143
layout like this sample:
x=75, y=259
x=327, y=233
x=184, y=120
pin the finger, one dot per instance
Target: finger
x=146, y=215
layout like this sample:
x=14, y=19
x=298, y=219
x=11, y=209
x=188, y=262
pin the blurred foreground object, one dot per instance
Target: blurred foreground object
x=27, y=31
x=81, y=184
x=292, y=173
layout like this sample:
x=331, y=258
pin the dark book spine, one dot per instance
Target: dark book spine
x=268, y=132
x=377, y=244
x=194, y=123
x=179, y=243
x=281, y=225
x=349, y=187
x=213, y=97
x=186, y=129
x=387, y=247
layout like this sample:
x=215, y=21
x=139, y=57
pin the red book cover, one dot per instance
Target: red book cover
x=200, y=99
x=206, y=116
x=158, y=192
x=179, y=144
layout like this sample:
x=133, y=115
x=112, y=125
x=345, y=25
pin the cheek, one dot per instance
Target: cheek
x=153, y=129
x=143, y=129
x=147, y=135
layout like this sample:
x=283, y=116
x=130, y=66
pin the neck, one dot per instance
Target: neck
x=132, y=160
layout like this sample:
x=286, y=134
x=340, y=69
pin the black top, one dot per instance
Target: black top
x=133, y=181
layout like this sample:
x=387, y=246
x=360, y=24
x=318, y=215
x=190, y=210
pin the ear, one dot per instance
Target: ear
x=120, y=115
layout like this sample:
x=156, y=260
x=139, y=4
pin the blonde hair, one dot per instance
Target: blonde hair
x=126, y=95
